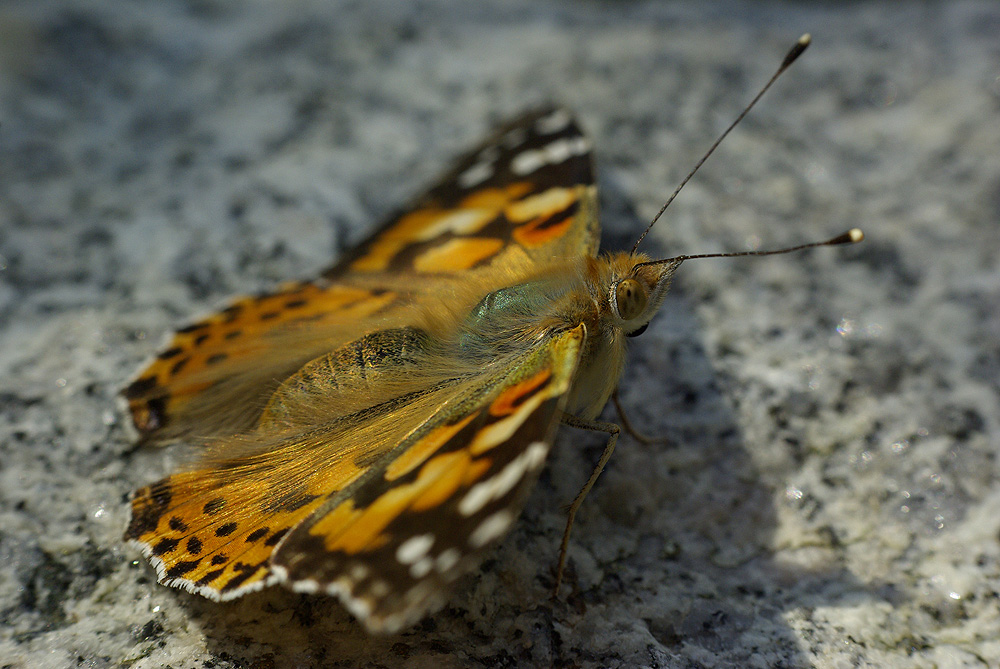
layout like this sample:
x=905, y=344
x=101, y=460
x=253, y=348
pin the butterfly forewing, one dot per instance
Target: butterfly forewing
x=392, y=543
x=524, y=196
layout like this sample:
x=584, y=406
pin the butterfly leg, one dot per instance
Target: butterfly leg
x=612, y=431
x=627, y=424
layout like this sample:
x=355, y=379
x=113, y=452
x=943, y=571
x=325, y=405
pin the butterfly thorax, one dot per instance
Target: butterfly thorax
x=513, y=318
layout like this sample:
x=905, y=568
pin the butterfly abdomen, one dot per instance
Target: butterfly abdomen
x=348, y=376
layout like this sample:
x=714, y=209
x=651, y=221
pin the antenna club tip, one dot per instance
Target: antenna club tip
x=852, y=236
x=795, y=52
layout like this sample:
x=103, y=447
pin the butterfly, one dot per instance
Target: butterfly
x=373, y=433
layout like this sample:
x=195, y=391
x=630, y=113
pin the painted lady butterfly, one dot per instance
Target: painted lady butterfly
x=373, y=433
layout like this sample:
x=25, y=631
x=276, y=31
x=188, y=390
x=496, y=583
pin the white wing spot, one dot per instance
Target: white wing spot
x=421, y=568
x=527, y=162
x=553, y=153
x=414, y=548
x=561, y=150
x=379, y=589
x=419, y=592
x=447, y=560
x=308, y=587
x=553, y=123
x=360, y=608
x=475, y=175
x=491, y=528
x=461, y=222
x=359, y=572
x=499, y=485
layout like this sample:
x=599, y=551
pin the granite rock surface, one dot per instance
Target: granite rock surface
x=829, y=496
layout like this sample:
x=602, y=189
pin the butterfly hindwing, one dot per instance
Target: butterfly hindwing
x=211, y=528
x=386, y=530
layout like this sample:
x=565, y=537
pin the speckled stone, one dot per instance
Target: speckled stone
x=830, y=495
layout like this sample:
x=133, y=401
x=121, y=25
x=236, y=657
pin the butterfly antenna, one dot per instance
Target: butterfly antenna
x=790, y=57
x=852, y=236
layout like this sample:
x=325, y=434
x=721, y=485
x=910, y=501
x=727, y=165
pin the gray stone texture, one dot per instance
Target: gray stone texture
x=830, y=494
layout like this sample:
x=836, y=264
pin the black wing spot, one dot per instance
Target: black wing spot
x=214, y=506
x=225, y=530
x=257, y=535
x=179, y=365
x=210, y=576
x=165, y=546
x=237, y=581
x=231, y=312
x=292, y=500
x=194, y=327
x=182, y=568
x=140, y=386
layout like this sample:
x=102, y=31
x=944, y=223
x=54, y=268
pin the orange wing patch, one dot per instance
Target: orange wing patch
x=430, y=223
x=457, y=255
x=350, y=530
x=447, y=241
x=417, y=454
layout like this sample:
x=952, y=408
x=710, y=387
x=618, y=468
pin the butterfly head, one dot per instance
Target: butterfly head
x=636, y=291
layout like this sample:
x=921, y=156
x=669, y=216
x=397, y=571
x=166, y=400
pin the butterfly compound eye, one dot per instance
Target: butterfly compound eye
x=630, y=298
